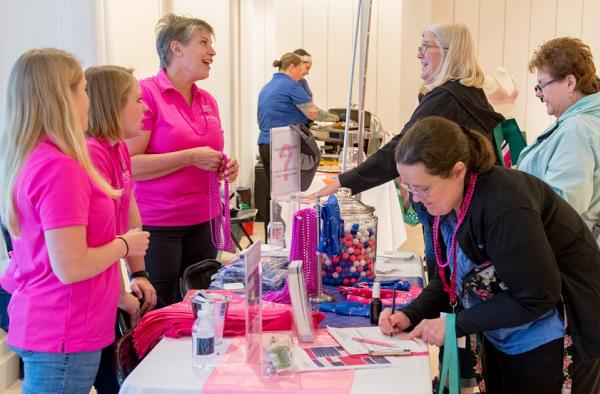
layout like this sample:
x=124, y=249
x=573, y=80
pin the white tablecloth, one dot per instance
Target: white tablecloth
x=168, y=369
x=390, y=228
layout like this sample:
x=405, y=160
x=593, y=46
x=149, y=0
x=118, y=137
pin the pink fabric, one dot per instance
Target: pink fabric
x=176, y=320
x=233, y=375
x=363, y=295
x=114, y=164
x=53, y=191
x=180, y=198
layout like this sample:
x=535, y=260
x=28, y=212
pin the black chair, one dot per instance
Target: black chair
x=126, y=359
x=238, y=218
x=198, y=275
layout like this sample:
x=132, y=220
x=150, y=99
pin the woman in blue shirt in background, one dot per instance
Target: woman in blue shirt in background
x=281, y=102
x=307, y=60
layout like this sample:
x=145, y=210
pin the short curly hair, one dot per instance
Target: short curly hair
x=567, y=55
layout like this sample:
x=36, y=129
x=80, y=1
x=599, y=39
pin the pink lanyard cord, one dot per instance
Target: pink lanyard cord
x=220, y=224
x=464, y=207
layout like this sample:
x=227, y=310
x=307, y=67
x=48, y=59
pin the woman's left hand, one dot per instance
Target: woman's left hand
x=143, y=290
x=231, y=171
x=130, y=304
x=431, y=331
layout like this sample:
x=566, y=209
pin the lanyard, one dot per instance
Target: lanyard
x=464, y=207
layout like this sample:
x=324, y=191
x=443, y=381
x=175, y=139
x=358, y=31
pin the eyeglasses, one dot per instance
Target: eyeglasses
x=421, y=49
x=540, y=86
x=417, y=191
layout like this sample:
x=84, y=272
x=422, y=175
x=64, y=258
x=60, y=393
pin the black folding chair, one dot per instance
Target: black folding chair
x=238, y=218
x=198, y=275
x=126, y=359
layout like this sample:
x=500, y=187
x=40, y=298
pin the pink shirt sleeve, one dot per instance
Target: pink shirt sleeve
x=51, y=194
x=150, y=114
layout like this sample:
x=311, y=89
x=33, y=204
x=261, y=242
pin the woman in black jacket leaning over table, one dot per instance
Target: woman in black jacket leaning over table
x=513, y=257
x=452, y=81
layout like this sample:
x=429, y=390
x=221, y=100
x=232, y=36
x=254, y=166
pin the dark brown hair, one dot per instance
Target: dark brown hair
x=439, y=144
x=566, y=55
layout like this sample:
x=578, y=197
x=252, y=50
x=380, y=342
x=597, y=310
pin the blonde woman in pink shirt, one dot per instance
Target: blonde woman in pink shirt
x=174, y=156
x=116, y=112
x=61, y=217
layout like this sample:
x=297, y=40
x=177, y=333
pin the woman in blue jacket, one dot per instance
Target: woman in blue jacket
x=567, y=154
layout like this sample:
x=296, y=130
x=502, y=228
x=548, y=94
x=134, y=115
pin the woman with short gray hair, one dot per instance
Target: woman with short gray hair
x=179, y=151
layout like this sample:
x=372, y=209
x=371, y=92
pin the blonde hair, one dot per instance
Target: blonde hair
x=287, y=59
x=173, y=27
x=459, y=60
x=107, y=87
x=40, y=103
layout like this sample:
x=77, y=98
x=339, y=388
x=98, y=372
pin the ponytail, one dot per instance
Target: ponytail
x=287, y=59
x=480, y=151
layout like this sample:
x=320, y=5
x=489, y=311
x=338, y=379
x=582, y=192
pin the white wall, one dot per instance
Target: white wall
x=508, y=31
x=26, y=24
x=250, y=34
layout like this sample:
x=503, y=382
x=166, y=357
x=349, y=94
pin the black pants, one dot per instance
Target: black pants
x=264, y=151
x=171, y=251
x=536, y=371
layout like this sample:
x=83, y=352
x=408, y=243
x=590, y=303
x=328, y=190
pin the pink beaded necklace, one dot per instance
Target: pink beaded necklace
x=304, y=247
x=464, y=207
x=220, y=224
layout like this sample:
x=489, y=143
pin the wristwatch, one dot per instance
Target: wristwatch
x=140, y=274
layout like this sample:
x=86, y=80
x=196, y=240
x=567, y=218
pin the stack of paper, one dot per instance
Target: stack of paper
x=370, y=340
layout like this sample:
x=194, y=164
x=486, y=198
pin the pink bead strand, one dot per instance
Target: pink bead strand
x=464, y=207
x=220, y=224
x=303, y=247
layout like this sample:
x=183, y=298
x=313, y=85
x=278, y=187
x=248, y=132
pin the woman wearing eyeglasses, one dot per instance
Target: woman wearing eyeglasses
x=516, y=264
x=567, y=154
x=452, y=81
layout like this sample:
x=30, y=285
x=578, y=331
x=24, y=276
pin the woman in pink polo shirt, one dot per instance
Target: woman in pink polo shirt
x=172, y=159
x=116, y=112
x=60, y=213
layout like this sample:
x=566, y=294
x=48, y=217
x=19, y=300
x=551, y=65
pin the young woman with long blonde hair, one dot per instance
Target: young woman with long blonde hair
x=60, y=213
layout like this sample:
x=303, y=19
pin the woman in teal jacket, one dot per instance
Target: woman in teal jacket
x=567, y=154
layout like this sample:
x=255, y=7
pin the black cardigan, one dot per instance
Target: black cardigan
x=540, y=248
x=464, y=105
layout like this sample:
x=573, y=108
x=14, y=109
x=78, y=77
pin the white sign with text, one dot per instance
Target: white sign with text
x=285, y=162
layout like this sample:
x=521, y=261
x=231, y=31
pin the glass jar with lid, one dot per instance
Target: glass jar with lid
x=359, y=244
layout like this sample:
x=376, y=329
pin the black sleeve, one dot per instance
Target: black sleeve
x=428, y=305
x=524, y=260
x=376, y=170
x=381, y=166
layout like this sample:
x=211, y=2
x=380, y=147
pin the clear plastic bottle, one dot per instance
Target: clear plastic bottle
x=203, y=339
